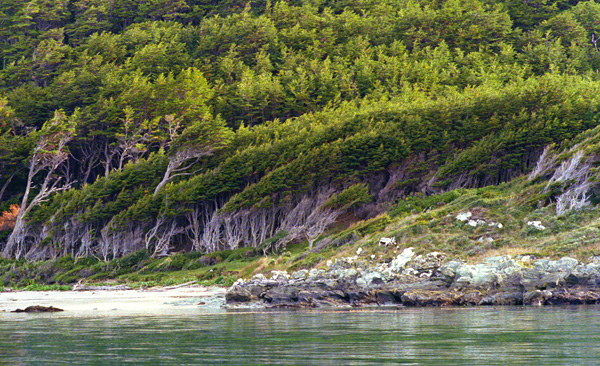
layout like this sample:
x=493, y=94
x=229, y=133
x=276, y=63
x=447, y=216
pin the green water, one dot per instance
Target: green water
x=473, y=336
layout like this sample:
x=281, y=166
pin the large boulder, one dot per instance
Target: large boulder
x=241, y=294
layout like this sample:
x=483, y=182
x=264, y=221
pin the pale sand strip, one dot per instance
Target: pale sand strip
x=154, y=301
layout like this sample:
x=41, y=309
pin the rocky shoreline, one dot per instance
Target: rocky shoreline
x=424, y=280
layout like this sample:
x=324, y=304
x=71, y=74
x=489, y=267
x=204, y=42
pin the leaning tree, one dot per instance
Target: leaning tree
x=49, y=152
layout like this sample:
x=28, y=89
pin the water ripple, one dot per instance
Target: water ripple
x=475, y=336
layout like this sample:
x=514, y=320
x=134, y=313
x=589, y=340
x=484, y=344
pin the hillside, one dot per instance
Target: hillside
x=280, y=135
x=515, y=218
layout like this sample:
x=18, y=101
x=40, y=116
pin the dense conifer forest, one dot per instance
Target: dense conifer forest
x=191, y=125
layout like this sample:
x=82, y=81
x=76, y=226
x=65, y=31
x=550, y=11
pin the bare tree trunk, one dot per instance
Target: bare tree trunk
x=49, y=186
x=194, y=228
x=108, y=157
x=317, y=222
x=158, y=238
x=211, y=236
x=87, y=242
x=105, y=242
x=179, y=164
x=5, y=185
x=17, y=238
x=88, y=159
x=166, y=177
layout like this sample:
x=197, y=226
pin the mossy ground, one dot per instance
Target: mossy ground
x=426, y=224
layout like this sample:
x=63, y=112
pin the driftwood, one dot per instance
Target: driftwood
x=179, y=286
x=79, y=287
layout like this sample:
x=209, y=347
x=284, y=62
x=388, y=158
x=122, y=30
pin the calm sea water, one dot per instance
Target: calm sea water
x=458, y=336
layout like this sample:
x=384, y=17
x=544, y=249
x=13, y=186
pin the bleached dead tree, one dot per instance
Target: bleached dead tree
x=210, y=229
x=196, y=218
x=130, y=144
x=262, y=224
x=575, y=198
x=296, y=217
x=116, y=240
x=158, y=238
x=545, y=162
x=211, y=235
x=575, y=171
x=233, y=230
x=308, y=218
x=204, y=226
x=106, y=241
x=572, y=169
x=317, y=222
x=86, y=248
x=69, y=237
x=36, y=251
x=49, y=153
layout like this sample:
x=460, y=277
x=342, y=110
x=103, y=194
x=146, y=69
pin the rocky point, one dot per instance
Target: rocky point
x=425, y=280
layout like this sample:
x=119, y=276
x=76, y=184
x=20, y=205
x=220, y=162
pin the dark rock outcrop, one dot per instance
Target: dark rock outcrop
x=38, y=309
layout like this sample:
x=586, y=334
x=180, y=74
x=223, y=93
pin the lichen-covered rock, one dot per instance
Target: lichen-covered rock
x=315, y=274
x=584, y=275
x=475, y=223
x=345, y=274
x=564, y=264
x=475, y=276
x=495, y=224
x=427, y=280
x=280, y=275
x=370, y=279
x=258, y=277
x=447, y=272
x=429, y=263
x=300, y=275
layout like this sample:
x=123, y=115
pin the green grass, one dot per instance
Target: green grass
x=43, y=287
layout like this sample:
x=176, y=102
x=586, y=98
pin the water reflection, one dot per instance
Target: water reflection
x=469, y=336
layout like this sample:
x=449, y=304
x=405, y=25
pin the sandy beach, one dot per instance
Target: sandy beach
x=153, y=301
